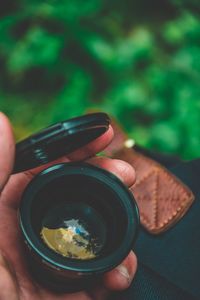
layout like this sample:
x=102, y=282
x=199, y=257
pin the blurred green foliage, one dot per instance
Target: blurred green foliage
x=137, y=61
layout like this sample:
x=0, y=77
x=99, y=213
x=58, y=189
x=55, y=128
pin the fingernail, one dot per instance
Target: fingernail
x=124, y=272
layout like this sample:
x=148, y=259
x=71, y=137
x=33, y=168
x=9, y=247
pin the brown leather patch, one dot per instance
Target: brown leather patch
x=161, y=197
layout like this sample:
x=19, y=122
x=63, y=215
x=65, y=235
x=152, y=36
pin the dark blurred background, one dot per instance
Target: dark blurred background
x=137, y=60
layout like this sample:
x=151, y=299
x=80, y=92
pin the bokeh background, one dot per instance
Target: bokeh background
x=137, y=60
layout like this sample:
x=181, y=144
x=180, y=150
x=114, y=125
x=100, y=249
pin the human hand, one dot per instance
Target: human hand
x=16, y=283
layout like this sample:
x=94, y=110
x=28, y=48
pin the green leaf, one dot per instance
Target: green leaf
x=37, y=48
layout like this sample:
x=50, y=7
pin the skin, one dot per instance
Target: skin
x=16, y=282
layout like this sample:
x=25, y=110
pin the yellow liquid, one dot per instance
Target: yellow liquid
x=68, y=243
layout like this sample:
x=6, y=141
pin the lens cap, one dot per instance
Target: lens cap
x=58, y=140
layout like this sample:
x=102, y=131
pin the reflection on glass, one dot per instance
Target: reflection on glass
x=73, y=240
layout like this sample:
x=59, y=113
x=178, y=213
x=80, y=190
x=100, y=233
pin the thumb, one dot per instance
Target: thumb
x=7, y=150
x=121, y=277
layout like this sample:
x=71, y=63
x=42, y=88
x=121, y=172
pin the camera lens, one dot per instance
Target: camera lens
x=75, y=230
x=78, y=221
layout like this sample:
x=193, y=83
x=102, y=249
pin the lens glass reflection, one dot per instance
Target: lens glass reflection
x=74, y=230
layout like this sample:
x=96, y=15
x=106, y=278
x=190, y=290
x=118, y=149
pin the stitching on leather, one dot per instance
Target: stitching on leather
x=155, y=199
x=184, y=199
x=181, y=189
x=146, y=176
x=143, y=217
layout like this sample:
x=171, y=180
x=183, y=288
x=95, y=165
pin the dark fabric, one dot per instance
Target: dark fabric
x=175, y=255
x=164, y=159
x=148, y=285
x=169, y=264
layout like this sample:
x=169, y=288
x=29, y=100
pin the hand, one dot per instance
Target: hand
x=16, y=282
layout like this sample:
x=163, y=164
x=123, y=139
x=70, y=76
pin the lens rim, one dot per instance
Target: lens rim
x=54, y=260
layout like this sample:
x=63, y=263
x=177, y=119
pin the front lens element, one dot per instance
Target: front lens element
x=74, y=230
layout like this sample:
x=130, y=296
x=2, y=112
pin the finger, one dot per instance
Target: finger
x=121, y=277
x=93, y=147
x=7, y=150
x=8, y=283
x=121, y=169
x=83, y=153
x=18, y=182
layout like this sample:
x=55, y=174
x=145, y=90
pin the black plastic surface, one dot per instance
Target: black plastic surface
x=59, y=139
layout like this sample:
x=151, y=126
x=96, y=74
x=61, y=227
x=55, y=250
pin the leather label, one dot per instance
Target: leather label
x=161, y=197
